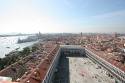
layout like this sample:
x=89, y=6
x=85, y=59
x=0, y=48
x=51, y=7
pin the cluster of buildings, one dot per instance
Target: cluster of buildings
x=34, y=68
x=109, y=47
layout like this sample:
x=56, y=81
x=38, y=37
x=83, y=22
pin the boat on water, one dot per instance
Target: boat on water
x=7, y=47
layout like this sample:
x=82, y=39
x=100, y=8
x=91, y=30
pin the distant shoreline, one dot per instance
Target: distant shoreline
x=9, y=44
x=15, y=35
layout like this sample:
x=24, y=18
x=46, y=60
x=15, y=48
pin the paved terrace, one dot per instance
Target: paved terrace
x=77, y=68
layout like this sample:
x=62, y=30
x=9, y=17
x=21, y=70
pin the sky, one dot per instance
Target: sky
x=58, y=16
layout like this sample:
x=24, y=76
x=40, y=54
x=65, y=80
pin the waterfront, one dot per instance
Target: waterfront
x=8, y=44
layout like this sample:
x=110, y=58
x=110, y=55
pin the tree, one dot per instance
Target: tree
x=34, y=48
x=25, y=51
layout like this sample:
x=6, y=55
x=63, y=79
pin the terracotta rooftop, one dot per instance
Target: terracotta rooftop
x=108, y=58
x=38, y=74
x=37, y=65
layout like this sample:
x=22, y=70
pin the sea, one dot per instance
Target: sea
x=8, y=44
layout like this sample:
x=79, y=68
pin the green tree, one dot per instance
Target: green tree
x=26, y=51
x=34, y=48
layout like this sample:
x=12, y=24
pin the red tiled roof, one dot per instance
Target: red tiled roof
x=36, y=69
x=109, y=59
x=42, y=69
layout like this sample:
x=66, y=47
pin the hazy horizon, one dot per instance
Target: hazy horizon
x=62, y=16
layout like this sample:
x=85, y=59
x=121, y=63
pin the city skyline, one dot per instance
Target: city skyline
x=58, y=16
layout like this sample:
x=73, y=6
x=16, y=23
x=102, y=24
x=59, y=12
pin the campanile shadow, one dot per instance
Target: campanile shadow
x=62, y=75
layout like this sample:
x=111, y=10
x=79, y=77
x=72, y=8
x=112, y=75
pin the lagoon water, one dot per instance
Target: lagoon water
x=8, y=44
